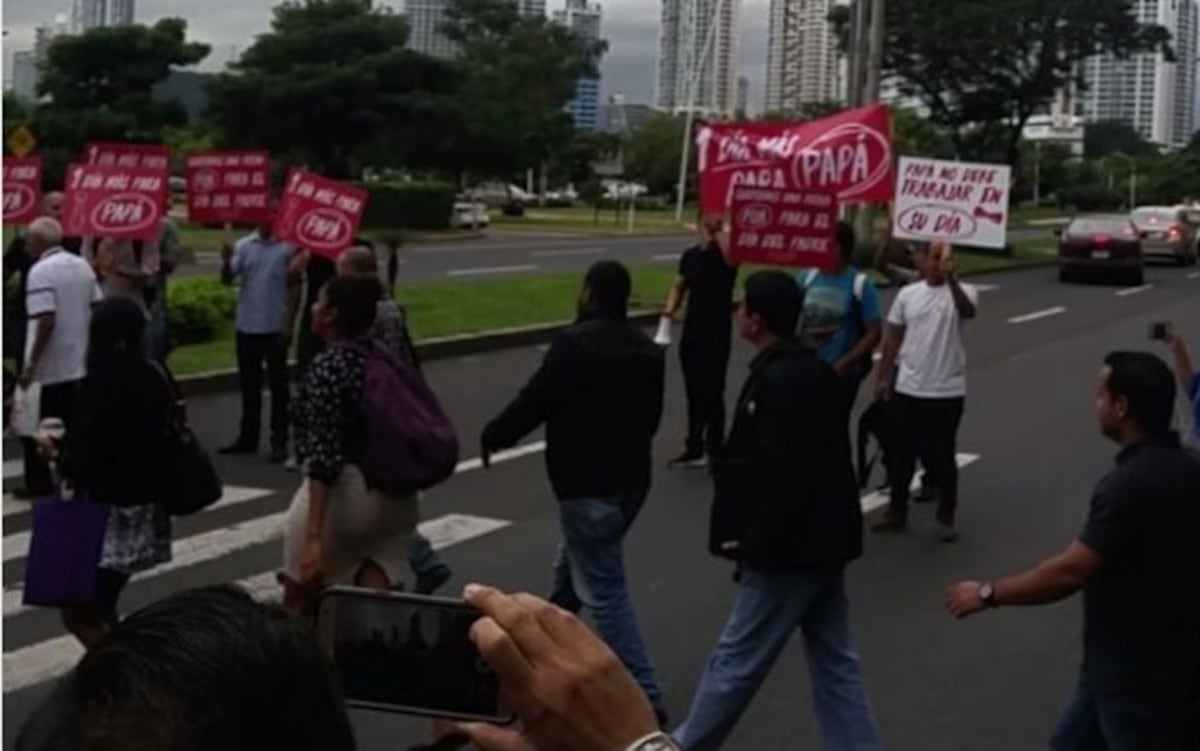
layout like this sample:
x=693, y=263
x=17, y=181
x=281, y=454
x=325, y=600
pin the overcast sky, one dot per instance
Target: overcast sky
x=631, y=27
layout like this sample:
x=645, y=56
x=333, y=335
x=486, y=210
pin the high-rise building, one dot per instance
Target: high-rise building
x=742, y=101
x=532, y=7
x=1154, y=96
x=24, y=75
x=121, y=13
x=426, y=19
x=698, y=56
x=803, y=61
x=583, y=18
x=89, y=14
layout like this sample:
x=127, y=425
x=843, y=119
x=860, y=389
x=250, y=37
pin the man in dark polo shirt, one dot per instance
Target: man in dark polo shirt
x=1137, y=562
x=705, y=281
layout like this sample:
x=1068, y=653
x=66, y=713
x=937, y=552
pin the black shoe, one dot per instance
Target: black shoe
x=688, y=460
x=278, y=455
x=890, y=524
x=238, y=448
x=431, y=581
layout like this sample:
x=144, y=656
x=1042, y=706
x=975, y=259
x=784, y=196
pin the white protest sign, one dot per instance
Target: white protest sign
x=963, y=203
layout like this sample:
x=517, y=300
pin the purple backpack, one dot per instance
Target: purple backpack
x=410, y=443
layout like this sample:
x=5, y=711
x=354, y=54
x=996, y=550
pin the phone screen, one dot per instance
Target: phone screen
x=408, y=653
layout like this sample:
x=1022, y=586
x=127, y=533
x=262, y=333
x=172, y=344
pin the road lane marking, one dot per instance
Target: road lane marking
x=1038, y=314
x=986, y=287
x=13, y=468
x=48, y=659
x=667, y=257
x=483, y=271
x=574, y=252
x=1194, y=275
x=880, y=498
x=507, y=455
x=1133, y=290
x=16, y=545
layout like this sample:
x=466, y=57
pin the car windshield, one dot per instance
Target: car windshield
x=1153, y=218
x=1099, y=226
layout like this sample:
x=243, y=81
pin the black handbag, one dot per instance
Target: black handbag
x=188, y=480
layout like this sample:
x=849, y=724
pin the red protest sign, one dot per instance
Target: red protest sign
x=849, y=154
x=782, y=227
x=319, y=214
x=146, y=155
x=229, y=187
x=124, y=203
x=22, y=188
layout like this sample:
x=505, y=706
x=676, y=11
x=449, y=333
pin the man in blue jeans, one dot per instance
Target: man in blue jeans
x=786, y=510
x=599, y=393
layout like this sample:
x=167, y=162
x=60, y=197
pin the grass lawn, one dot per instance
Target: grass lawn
x=438, y=309
x=1025, y=214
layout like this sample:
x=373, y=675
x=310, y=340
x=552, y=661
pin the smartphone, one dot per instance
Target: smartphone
x=397, y=652
x=1158, y=331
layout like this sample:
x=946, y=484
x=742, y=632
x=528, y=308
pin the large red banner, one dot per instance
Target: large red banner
x=849, y=154
x=229, y=187
x=319, y=214
x=124, y=203
x=783, y=227
x=22, y=188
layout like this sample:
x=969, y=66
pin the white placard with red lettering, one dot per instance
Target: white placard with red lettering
x=319, y=214
x=124, y=203
x=229, y=186
x=783, y=227
x=22, y=189
x=964, y=203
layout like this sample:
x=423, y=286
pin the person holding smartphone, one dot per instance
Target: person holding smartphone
x=1189, y=379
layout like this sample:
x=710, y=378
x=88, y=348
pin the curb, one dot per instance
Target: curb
x=492, y=341
x=431, y=349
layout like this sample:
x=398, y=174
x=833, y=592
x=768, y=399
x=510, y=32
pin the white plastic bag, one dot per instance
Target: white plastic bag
x=663, y=337
x=26, y=410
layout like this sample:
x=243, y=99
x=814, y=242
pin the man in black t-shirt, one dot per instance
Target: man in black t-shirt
x=706, y=279
x=1136, y=561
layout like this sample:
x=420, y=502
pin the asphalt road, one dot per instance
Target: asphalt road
x=996, y=683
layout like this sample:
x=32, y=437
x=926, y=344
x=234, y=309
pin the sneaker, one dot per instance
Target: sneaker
x=431, y=581
x=292, y=464
x=689, y=460
x=889, y=524
x=238, y=448
x=945, y=533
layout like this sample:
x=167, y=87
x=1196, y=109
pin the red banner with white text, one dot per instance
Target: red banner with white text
x=229, y=187
x=22, y=189
x=849, y=154
x=124, y=203
x=319, y=214
x=783, y=227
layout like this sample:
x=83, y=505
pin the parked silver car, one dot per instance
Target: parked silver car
x=1167, y=232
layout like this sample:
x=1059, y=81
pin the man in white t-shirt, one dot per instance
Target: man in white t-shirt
x=924, y=357
x=59, y=295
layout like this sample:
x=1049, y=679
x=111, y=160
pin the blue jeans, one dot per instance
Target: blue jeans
x=590, y=573
x=768, y=608
x=1117, y=723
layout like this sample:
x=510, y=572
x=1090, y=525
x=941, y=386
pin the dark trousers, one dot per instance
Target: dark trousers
x=928, y=429
x=704, y=366
x=252, y=351
x=1094, y=722
x=58, y=400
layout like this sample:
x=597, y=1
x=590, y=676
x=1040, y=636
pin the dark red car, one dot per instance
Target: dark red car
x=1107, y=244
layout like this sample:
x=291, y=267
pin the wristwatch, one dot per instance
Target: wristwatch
x=987, y=593
x=657, y=741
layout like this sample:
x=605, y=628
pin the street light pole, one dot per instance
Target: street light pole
x=690, y=119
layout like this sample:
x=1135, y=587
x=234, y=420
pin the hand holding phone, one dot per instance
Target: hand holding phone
x=565, y=684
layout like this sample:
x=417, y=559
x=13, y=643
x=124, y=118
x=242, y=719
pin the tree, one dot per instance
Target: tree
x=1113, y=137
x=331, y=86
x=518, y=73
x=98, y=86
x=652, y=153
x=982, y=68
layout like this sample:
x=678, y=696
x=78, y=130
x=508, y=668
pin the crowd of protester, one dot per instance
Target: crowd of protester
x=239, y=674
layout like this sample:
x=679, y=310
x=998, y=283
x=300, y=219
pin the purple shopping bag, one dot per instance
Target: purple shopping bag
x=64, y=552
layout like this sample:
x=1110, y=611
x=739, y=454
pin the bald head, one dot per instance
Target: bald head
x=44, y=233
x=358, y=260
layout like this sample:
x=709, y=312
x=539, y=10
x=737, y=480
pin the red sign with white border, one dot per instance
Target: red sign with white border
x=849, y=154
x=22, y=189
x=319, y=214
x=783, y=227
x=229, y=187
x=124, y=203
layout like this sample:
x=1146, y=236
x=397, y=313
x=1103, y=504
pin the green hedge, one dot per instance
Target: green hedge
x=415, y=205
x=198, y=310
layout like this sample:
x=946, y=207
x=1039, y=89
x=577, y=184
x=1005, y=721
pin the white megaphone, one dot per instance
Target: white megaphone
x=663, y=336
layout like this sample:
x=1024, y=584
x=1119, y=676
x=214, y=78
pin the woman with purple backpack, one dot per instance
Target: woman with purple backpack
x=340, y=530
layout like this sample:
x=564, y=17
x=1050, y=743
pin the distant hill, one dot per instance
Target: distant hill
x=186, y=87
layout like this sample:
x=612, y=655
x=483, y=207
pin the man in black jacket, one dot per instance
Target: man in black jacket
x=787, y=510
x=599, y=392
